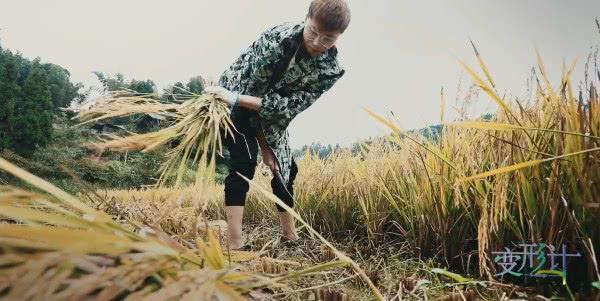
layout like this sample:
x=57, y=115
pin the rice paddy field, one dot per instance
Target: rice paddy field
x=410, y=217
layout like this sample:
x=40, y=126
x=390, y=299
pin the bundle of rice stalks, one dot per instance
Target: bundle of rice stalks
x=195, y=126
x=125, y=104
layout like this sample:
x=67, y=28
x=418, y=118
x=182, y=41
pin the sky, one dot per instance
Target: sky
x=397, y=54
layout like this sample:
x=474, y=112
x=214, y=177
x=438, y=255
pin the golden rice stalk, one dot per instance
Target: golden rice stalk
x=196, y=129
x=271, y=266
x=522, y=165
x=135, y=142
x=124, y=104
x=542, y=68
x=483, y=65
x=499, y=126
x=488, y=89
x=399, y=133
x=60, y=221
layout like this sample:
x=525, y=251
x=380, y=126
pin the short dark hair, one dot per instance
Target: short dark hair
x=332, y=15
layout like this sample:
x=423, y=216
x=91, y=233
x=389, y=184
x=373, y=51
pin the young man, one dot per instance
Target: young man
x=280, y=75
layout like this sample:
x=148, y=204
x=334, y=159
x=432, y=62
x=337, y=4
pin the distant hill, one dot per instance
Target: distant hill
x=431, y=132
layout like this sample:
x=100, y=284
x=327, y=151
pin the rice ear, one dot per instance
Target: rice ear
x=521, y=165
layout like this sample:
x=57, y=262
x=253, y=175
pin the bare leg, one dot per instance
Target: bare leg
x=235, y=216
x=288, y=227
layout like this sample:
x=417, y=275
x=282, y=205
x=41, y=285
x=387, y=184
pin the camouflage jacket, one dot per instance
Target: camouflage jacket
x=260, y=71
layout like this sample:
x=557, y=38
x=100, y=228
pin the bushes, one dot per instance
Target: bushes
x=66, y=156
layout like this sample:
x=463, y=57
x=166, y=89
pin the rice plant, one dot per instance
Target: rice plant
x=531, y=174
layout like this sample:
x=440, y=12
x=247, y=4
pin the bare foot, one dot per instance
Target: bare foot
x=288, y=227
x=235, y=244
x=291, y=235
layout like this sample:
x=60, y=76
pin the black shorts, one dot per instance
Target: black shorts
x=243, y=152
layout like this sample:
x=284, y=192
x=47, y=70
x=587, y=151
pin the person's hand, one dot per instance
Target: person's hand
x=270, y=160
x=222, y=94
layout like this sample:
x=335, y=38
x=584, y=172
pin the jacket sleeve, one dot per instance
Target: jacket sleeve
x=279, y=109
x=262, y=57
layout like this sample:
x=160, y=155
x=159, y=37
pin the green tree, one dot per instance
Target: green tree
x=110, y=83
x=139, y=86
x=9, y=92
x=24, y=66
x=1, y=54
x=33, y=113
x=62, y=91
x=196, y=84
x=118, y=83
x=179, y=88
